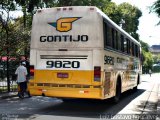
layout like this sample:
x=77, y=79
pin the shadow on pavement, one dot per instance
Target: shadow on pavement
x=91, y=108
x=30, y=107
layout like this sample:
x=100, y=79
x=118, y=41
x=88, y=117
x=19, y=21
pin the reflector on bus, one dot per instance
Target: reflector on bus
x=97, y=73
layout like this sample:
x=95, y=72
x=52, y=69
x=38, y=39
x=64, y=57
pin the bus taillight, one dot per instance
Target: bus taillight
x=97, y=73
x=31, y=71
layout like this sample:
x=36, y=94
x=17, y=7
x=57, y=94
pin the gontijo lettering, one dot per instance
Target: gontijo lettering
x=64, y=38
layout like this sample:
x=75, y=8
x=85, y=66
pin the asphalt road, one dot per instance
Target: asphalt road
x=43, y=108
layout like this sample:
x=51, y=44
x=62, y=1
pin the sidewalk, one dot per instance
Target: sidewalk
x=158, y=104
x=8, y=95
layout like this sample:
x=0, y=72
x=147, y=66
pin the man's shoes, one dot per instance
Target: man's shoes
x=20, y=95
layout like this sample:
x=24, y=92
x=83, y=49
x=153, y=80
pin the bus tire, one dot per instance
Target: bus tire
x=135, y=88
x=117, y=96
x=66, y=99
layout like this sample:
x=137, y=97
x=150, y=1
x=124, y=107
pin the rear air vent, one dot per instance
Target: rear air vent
x=66, y=85
x=64, y=56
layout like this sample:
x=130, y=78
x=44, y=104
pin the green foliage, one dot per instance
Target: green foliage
x=7, y=5
x=156, y=59
x=156, y=8
x=125, y=15
x=130, y=14
x=37, y=4
x=112, y=11
x=99, y=3
x=18, y=39
x=144, y=46
x=148, y=58
x=156, y=69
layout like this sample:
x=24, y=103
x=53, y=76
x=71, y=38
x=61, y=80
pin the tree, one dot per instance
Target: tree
x=156, y=59
x=32, y=5
x=145, y=46
x=148, y=59
x=130, y=14
x=113, y=12
x=125, y=15
x=99, y=3
x=6, y=6
x=156, y=8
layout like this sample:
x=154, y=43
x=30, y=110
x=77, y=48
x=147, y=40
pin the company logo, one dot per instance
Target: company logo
x=64, y=24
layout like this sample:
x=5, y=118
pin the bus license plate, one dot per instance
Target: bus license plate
x=62, y=75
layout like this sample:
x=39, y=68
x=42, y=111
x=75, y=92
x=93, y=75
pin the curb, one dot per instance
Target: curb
x=8, y=95
x=158, y=105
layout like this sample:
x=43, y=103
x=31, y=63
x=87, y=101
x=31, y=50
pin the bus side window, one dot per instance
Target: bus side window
x=105, y=33
x=122, y=43
x=136, y=50
x=119, y=41
x=109, y=36
x=125, y=45
x=128, y=46
x=139, y=52
x=132, y=49
x=113, y=38
x=116, y=41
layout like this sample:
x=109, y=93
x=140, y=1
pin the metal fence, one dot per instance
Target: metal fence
x=4, y=86
x=9, y=85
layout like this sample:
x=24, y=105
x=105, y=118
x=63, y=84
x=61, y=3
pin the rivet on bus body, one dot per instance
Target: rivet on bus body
x=91, y=8
x=64, y=8
x=70, y=8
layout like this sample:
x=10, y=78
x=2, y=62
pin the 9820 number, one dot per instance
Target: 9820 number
x=62, y=64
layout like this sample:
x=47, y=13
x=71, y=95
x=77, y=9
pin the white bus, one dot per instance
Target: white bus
x=78, y=52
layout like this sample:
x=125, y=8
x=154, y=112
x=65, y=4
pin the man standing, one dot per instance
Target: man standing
x=21, y=73
x=150, y=72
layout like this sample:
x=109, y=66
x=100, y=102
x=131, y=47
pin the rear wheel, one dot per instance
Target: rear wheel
x=135, y=88
x=116, y=98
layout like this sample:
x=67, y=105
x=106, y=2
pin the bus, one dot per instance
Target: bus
x=79, y=52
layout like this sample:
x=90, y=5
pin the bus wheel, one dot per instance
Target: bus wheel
x=116, y=98
x=135, y=88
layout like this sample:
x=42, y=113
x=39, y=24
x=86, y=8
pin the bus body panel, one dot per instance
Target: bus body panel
x=82, y=34
x=68, y=53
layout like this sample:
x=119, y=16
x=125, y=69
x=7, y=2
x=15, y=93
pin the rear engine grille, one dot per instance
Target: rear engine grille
x=66, y=86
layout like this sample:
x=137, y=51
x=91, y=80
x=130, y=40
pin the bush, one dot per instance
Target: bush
x=156, y=69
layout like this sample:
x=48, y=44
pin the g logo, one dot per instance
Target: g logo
x=64, y=24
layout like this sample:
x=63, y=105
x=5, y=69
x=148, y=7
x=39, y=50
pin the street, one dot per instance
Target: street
x=144, y=101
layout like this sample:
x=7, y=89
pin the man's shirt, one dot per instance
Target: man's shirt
x=21, y=72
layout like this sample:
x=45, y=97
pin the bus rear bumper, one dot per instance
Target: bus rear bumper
x=92, y=93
